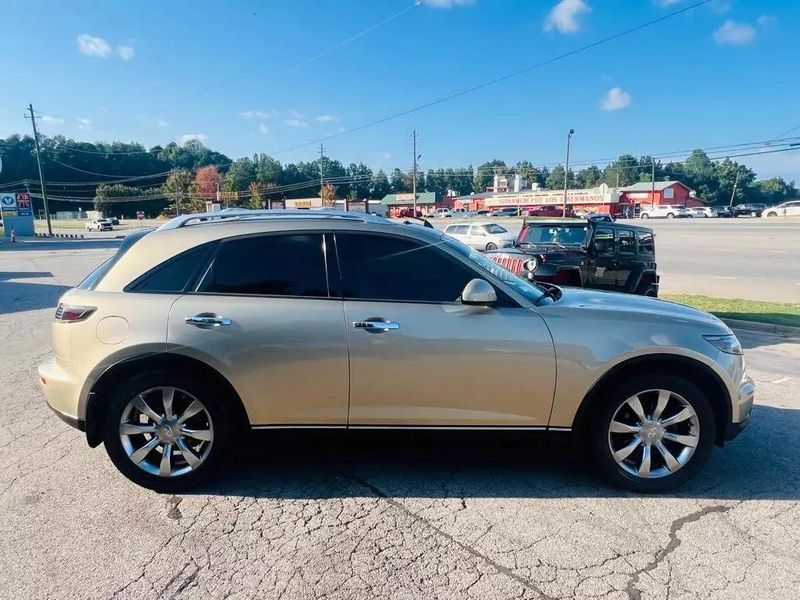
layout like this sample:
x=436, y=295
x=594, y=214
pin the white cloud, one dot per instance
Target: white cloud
x=615, y=99
x=196, y=137
x=737, y=34
x=668, y=2
x=259, y=114
x=326, y=118
x=93, y=46
x=262, y=128
x=565, y=16
x=125, y=52
x=84, y=123
x=445, y=3
x=767, y=21
x=51, y=120
x=295, y=123
x=384, y=156
x=162, y=123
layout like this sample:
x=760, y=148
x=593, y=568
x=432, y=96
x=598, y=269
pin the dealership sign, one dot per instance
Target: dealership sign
x=598, y=195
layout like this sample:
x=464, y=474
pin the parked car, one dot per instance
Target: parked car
x=591, y=254
x=787, y=209
x=481, y=236
x=702, y=212
x=99, y=225
x=600, y=217
x=547, y=210
x=509, y=211
x=409, y=212
x=664, y=211
x=114, y=220
x=442, y=213
x=724, y=212
x=646, y=387
x=748, y=210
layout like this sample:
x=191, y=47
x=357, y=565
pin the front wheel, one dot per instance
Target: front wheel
x=772, y=214
x=644, y=216
x=653, y=433
x=670, y=216
x=167, y=432
x=491, y=246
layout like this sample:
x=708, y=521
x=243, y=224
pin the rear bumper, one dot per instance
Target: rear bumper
x=79, y=424
x=61, y=392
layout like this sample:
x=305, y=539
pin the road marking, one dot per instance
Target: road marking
x=722, y=277
x=782, y=380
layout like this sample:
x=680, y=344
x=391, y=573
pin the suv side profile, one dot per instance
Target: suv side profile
x=664, y=211
x=481, y=236
x=218, y=323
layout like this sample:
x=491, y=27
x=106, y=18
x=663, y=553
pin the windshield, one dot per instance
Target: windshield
x=520, y=285
x=494, y=228
x=564, y=235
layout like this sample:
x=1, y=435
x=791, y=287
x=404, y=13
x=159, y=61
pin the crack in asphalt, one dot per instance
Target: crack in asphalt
x=672, y=545
x=466, y=547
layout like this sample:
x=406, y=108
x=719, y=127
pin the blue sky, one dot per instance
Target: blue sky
x=269, y=75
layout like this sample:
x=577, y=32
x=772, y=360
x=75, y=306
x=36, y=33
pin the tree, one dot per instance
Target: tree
x=486, y=172
x=588, y=177
x=178, y=187
x=207, y=182
x=109, y=198
x=240, y=175
x=256, y=190
x=398, y=182
x=267, y=169
x=555, y=180
x=328, y=194
x=772, y=191
x=380, y=185
x=623, y=172
x=361, y=182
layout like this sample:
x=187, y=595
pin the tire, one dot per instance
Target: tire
x=698, y=429
x=650, y=291
x=753, y=214
x=188, y=389
x=670, y=216
x=491, y=246
x=772, y=214
x=644, y=216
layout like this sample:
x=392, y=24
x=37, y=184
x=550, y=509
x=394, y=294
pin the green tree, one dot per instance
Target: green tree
x=178, y=189
x=239, y=176
x=555, y=180
x=267, y=169
x=484, y=174
x=772, y=191
x=380, y=185
x=589, y=177
x=398, y=183
x=624, y=170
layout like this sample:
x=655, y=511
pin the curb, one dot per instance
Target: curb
x=66, y=236
x=785, y=330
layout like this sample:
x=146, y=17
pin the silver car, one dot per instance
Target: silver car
x=218, y=323
x=481, y=236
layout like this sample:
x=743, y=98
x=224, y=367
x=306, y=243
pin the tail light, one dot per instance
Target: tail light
x=71, y=314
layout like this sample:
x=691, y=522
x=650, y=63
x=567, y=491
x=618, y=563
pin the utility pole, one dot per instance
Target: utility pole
x=321, y=174
x=414, y=171
x=653, y=182
x=566, y=174
x=41, y=175
x=735, y=185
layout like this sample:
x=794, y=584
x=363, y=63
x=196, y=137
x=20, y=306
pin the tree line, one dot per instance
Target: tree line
x=120, y=178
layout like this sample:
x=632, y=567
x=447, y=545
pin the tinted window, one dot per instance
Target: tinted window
x=646, y=242
x=604, y=241
x=389, y=268
x=175, y=274
x=494, y=228
x=626, y=242
x=270, y=265
x=450, y=229
x=462, y=229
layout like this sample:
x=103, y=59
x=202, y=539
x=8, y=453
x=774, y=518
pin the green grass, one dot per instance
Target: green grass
x=774, y=313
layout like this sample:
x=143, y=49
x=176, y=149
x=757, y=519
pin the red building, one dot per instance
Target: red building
x=666, y=192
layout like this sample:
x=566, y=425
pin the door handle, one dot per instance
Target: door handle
x=207, y=321
x=376, y=325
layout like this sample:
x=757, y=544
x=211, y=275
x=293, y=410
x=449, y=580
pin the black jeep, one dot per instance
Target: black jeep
x=606, y=256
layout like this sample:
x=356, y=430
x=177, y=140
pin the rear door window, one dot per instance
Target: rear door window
x=269, y=265
x=604, y=241
x=175, y=274
x=646, y=243
x=626, y=242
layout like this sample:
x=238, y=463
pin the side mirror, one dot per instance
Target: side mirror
x=478, y=292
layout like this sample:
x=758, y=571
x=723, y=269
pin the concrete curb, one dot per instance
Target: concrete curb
x=786, y=330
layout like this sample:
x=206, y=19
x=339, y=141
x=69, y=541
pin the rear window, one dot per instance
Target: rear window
x=95, y=277
x=646, y=242
x=174, y=275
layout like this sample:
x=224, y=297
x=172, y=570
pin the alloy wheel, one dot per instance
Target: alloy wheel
x=166, y=431
x=653, y=433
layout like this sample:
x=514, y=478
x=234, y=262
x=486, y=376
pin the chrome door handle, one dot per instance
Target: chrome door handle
x=207, y=321
x=376, y=325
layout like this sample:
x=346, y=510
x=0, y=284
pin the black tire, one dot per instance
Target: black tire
x=644, y=216
x=491, y=246
x=772, y=214
x=202, y=389
x=651, y=291
x=670, y=216
x=601, y=449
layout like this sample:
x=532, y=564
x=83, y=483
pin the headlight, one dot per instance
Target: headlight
x=531, y=264
x=727, y=343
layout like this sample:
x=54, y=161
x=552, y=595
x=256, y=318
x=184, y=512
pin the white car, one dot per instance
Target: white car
x=482, y=236
x=787, y=209
x=703, y=212
x=664, y=211
x=99, y=225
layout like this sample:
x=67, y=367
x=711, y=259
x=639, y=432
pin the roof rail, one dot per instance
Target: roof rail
x=245, y=214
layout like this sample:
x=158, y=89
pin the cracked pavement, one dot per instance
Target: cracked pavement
x=380, y=515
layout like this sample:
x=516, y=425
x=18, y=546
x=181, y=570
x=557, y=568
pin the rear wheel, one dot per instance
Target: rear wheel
x=167, y=432
x=670, y=216
x=491, y=246
x=644, y=216
x=653, y=433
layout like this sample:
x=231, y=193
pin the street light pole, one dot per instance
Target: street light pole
x=566, y=174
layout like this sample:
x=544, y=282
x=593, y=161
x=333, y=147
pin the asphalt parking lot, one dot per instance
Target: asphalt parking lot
x=729, y=258
x=379, y=516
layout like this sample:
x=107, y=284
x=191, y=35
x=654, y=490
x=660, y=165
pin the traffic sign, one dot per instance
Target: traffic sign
x=140, y=214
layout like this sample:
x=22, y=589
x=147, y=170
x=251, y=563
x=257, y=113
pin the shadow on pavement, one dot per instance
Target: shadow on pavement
x=6, y=275
x=761, y=463
x=19, y=297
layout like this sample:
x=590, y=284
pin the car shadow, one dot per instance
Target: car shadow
x=20, y=296
x=761, y=463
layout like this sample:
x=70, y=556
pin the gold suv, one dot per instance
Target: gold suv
x=219, y=322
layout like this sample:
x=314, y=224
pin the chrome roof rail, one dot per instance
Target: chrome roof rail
x=244, y=214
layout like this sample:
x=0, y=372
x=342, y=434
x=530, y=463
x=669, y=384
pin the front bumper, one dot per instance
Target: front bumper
x=61, y=392
x=742, y=409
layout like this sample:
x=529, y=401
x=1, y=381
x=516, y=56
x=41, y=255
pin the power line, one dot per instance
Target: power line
x=500, y=78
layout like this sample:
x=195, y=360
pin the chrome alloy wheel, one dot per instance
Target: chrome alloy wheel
x=653, y=433
x=166, y=431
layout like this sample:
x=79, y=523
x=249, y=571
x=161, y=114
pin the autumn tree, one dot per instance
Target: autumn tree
x=328, y=195
x=207, y=182
x=257, y=190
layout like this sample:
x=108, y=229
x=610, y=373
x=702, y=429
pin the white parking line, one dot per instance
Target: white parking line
x=782, y=380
